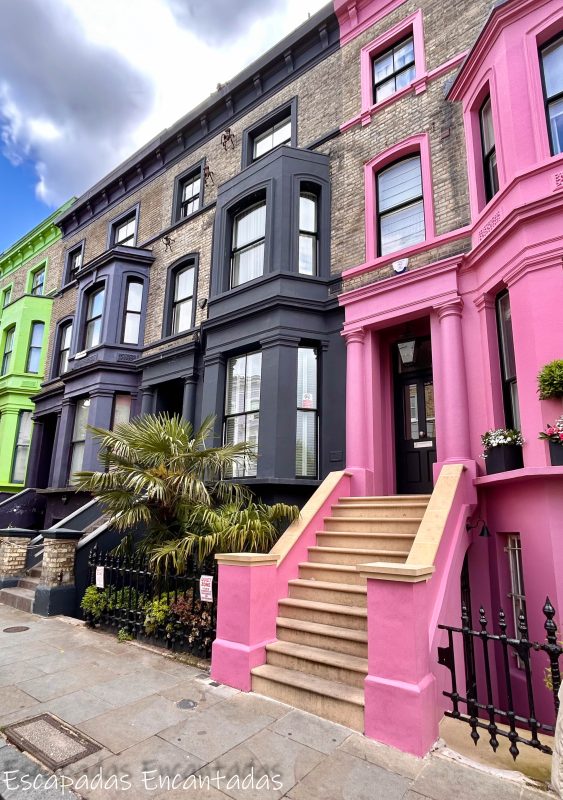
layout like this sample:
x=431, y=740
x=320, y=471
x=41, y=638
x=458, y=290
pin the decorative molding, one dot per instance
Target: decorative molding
x=490, y=225
x=33, y=243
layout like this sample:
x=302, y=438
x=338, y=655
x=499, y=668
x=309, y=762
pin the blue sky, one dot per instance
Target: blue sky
x=20, y=210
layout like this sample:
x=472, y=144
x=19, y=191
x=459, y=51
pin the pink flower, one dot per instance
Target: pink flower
x=550, y=430
x=561, y=436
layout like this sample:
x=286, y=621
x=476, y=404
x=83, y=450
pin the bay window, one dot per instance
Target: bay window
x=490, y=171
x=132, y=313
x=307, y=414
x=248, y=244
x=242, y=408
x=8, y=348
x=78, y=439
x=94, y=316
x=552, y=67
x=507, y=362
x=35, y=346
x=308, y=233
x=23, y=441
x=400, y=206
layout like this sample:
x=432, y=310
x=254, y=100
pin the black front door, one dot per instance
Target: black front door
x=414, y=416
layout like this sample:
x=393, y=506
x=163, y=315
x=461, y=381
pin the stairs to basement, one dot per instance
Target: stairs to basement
x=319, y=661
x=22, y=596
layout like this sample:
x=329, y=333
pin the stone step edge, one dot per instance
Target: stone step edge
x=311, y=683
x=321, y=629
x=328, y=657
x=328, y=586
x=356, y=551
x=327, y=608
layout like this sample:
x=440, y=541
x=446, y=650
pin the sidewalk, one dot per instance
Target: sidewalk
x=166, y=730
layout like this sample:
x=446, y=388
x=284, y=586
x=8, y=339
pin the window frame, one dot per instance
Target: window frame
x=309, y=411
x=260, y=127
x=63, y=326
x=101, y=287
x=396, y=72
x=245, y=414
x=310, y=191
x=40, y=269
x=10, y=333
x=517, y=593
x=6, y=292
x=31, y=347
x=400, y=207
x=120, y=220
x=70, y=253
x=73, y=442
x=235, y=213
x=179, y=181
x=547, y=101
x=129, y=280
x=509, y=384
x=18, y=446
x=490, y=154
x=186, y=262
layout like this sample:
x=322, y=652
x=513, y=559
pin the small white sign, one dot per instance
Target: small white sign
x=100, y=572
x=206, y=588
x=423, y=444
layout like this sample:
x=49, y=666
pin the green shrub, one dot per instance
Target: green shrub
x=128, y=597
x=123, y=635
x=550, y=380
x=157, y=613
x=94, y=602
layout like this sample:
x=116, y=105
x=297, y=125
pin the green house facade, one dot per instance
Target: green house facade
x=29, y=277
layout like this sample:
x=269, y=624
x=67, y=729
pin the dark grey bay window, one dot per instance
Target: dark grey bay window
x=121, y=410
x=183, y=299
x=78, y=439
x=308, y=232
x=272, y=137
x=552, y=68
x=490, y=171
x=94, y=317
x=65, y=335
x=242, y=408
x=306, y=441
x=38, y=282
x=35, y=346
x=190, y=195
x=23, y=441
x=248, y=244
x=507, y=361
x=400, y=206
x=393, y=70
x=132, y=312
x=8, y=348
x=125, y=231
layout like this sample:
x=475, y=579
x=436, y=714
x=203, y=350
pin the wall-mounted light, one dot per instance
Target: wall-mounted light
x=208, y=175
x=228, y=139
x=485, y=533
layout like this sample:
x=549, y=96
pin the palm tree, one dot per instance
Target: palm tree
x=162, y=475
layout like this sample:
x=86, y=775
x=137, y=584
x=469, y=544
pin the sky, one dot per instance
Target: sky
x=85, y=83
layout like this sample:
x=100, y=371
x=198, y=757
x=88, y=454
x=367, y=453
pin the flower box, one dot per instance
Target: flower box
x=556, y=454
x=503, y=458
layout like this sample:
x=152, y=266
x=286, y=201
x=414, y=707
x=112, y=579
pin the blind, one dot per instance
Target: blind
x=399, y=183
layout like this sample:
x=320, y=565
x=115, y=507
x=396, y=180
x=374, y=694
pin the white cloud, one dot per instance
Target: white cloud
x=107, y=76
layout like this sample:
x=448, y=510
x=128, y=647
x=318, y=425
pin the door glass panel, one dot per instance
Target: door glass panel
x=429, y=410
x=411, y=411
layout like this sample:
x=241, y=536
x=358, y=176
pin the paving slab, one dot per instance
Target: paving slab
x=310, y=730
x=13, y=699
x=55, y=684
x=201, y=695
x=21, y=778
x=442, y=779
x=128, y=689
x=387, y=757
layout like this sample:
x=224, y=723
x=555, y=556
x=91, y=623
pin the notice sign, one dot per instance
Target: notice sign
x=100, y=578
x=206, y=588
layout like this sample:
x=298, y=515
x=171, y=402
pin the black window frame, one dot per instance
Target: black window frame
x=381, y=54
x=186, y=262
x=179, y=182
x=235, y=213
x=236, y=414
x=548, y=101
x=31, y=347
x=126, y=312
x=70, y=273
x=63, y=326
x=74, y=441
x=119, y=221
x=508, y=381
x=7, y=354
x=401, y=206
x=33, y=286
x=312, y=191
x=88, y=320
x=490, y=180
x=260, y=127
x=310, y=411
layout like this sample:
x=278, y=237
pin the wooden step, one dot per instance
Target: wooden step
x=327, y=664
x=327, y=699
x=366, y=541
x=326, y=592
x=333, y=573
x=350, y=617
x=327, y=637
x=380, y=509
x=372, y=524
x=19, y=598
x=348, y=555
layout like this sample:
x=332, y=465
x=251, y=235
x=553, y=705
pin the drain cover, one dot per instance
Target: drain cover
x=51, y=741
x=16, y=629
x=186, y=704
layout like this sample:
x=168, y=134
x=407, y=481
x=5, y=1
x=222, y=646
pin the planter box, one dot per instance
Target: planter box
x=503, y=458
x=556, y=454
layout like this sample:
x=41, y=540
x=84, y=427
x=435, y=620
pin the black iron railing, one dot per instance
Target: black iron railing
x=496, y=678
x=166, y=609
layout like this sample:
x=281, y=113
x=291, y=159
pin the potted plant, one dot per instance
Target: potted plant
x=554, y=435
x=502, y=450
x=550, y=380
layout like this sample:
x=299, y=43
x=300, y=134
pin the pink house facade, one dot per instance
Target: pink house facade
x=449, y=317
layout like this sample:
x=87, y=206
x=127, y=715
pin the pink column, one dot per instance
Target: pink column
x=453, y=384
x=357, y=389
x=401, y=707
x=246, y=616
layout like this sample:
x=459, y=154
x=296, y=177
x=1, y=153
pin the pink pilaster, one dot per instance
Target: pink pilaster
x=455, y=425
x=246, y=616
x=356, y=408
x=400, y=693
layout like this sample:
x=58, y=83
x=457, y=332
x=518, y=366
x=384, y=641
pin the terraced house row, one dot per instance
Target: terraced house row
x=351, y=256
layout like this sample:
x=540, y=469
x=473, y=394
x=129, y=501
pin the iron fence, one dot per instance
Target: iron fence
x=168, y=609
x=496, y=673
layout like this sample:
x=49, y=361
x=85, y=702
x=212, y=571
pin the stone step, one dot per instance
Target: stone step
x=366, y=541
x=385, y=498
x=372, y=524
x=326, y=592
x=349, y=555
x=34, y=572
x=333, y=573
x=327, y=664
x=327, y=699
x=351, y=617
x=19, y=598
x=28, y=583
x=326, y=637
x=380, y=509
